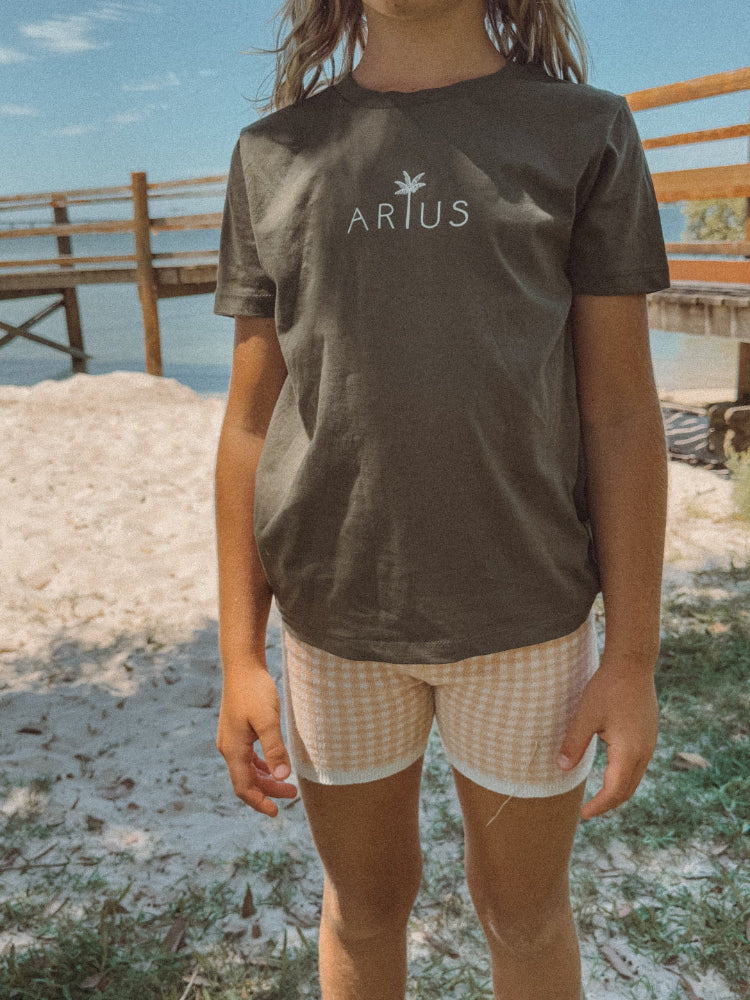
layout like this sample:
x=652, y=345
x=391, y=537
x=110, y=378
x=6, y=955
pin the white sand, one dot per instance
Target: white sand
x=108, y=639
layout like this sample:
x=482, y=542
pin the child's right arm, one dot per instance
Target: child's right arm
x=250, y=705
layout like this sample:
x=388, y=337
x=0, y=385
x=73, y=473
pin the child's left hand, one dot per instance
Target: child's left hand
x=619, y=705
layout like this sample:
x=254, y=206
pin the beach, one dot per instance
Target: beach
x=110, y=679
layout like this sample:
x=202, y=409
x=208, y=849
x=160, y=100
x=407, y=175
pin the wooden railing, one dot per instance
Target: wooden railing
x=189, y=272
x=702, y=183
x=156, y=274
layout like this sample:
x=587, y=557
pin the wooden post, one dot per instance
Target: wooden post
x=69, y=296
x=743, y=365
x=145, y=276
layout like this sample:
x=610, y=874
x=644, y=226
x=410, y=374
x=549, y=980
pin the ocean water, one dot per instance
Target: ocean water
x=196, y=345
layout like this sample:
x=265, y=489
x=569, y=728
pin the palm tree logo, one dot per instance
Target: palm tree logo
x=408, y=186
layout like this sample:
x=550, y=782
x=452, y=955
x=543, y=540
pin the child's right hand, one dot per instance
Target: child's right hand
x=251, y=710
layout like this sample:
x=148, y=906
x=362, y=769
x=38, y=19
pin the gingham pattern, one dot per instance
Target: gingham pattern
x=501, y=717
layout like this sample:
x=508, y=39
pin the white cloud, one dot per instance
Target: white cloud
x=74, y=130
x=128, y=117
x=8, y=56
x=65, y=35
x=108, y=12
x=155, y=83
x=17, y=109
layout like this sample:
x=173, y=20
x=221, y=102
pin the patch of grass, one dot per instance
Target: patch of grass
x=283, y=871
x=117, y=954
x=437, y=981
x=123, y=951
x=290, y=975
x=702, y=927
x=703, y=687
x=446, y=824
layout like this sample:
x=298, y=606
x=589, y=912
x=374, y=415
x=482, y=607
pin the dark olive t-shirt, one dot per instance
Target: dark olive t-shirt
x=421, y=493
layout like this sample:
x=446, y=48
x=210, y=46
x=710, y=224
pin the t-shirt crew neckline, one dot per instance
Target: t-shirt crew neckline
x=477, y=86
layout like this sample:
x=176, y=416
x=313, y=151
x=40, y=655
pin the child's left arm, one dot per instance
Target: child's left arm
x=624, y=442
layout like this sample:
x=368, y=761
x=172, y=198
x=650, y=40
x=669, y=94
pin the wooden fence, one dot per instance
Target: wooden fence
x=157, y=275
x=192, y=272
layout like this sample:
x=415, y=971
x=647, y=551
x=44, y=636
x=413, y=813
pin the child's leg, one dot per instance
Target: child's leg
x=517, y=861
x=367, y=836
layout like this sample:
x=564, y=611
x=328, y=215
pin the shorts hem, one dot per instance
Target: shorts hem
x=323, y=777
x=528, y=790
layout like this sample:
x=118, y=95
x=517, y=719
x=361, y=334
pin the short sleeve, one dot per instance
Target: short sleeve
x=617, y=244
x=242, y=286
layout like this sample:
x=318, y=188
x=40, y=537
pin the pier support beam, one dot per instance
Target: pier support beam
x=743, y=365
x=147, y=291
x=743, y=375
x=70, y=297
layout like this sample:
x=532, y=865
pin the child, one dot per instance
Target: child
x=441, y=385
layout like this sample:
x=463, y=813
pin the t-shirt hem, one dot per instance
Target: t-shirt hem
x=237, y=305
x=624, y=283
x=512, y=635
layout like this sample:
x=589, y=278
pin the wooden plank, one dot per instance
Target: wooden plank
x=64, y=197
x=28, y=293
x=729, y=247
x=147, y=288
x=205, y=220
x=104, y=226
x=40, y=282
x=715, y=292
x=185, y=275
x=703, y=135
x=55, y=261
x=73, y=201
x=81, y=195
x=107, y=259
x=165, y=185
x=179, y=254
x=180, y=291
x=701, y=183
x=710, y=270
x=45, y=280
x=690, y=90
x=74, y=352
x=199, y=193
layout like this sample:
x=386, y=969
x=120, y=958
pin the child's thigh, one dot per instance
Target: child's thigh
x=367, y=836
x=517, y=850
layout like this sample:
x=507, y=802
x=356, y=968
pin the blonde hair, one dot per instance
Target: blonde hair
x=524, y=31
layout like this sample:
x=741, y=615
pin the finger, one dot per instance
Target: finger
x=255, y=798
x=618, y=785
x=576, y=741
x=256, y=789
x=274, y=751
x=270, y=785
x=247, y=781
x=278, y=789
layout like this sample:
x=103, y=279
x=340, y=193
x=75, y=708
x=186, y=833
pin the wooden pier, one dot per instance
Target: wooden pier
x=156, y=275
x=707, y=297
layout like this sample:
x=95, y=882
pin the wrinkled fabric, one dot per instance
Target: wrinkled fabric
x=421, y=493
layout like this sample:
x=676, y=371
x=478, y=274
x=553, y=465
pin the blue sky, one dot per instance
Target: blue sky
x=90, y=91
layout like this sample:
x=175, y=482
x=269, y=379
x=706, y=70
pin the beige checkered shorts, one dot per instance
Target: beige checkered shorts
x=501, y=717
